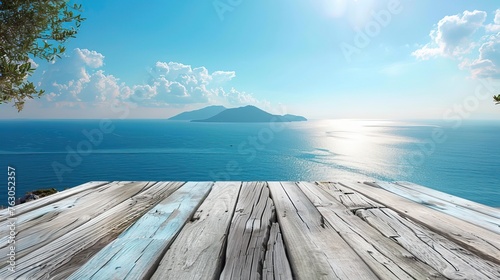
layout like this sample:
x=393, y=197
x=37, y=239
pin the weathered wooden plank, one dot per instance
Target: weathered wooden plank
x=352, y=200
x=324, y=231
x=473, y=217
x=26, y=207
x=383, y=228
x=62, y=256
x=460, y=202
x=334, y=189
x=41, y=226
x=276, y=265
x=387, y=259
x=315, y=249
x=446, y=257
x=136, y=252
x=480, y=241
x=198, y=250
x=248, y=233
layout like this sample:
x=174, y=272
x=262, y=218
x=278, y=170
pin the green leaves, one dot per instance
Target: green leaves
x=24, y=68
x=36, y=29
x=496, y=98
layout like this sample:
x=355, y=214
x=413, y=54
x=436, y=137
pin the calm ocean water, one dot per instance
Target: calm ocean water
x=460, y=159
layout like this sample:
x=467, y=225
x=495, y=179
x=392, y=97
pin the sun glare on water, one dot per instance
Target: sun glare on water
x=364, y=145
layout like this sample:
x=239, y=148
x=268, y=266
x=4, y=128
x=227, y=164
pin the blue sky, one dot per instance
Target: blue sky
x=390, y=59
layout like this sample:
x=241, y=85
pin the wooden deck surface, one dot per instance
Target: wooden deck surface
x=251, y=230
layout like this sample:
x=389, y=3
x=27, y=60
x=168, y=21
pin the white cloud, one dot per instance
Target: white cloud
x=488, y=63
x=201, y=73
x=172, y=93
x=92, y=59
x=79, y=80
x=495, y=26
x=223, y=76
x=452, y=36
x=75, y=78
x=235, y=97
x=100, y=88
x=177, y=83
x=71, y=67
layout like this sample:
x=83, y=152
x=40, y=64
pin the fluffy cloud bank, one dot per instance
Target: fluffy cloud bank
x=79, y=80
x=487, y=65
x=452, y=36
x=459, y=37
x=495, y=26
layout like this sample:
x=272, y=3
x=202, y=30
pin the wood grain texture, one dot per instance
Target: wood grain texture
x=352, y=200
x=480, y=241
x=488, y=222
x=26, y=207
x=387, y=259
x=448, y=258
x=40, y=226
x=249, y=233
x=458, y=201
x=198, y=250
x=276, y=265
x=136, y=252
x=61, y=257
x=251, y=230
x=315, y=250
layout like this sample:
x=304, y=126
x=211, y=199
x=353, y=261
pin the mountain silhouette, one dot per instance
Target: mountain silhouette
x=249, y=114
x=203, y=113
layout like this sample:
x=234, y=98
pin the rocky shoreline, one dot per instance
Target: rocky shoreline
x=34, y=195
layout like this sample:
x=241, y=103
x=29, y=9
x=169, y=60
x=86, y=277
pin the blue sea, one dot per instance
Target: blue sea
x=460, y=158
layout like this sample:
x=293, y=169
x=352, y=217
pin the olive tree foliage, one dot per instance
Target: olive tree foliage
x=31, y=29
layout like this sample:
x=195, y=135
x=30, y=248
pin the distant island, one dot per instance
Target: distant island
x=246, y=114
x=199, y=114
